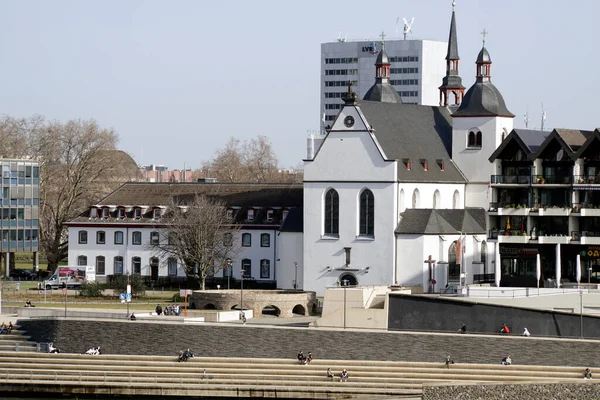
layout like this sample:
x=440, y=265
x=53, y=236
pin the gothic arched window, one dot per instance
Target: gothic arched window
x=456, y=200
x=415, y=199
x=436, y=199
x=332, y=213
x=474, y=139
x=453, y=266
x=367, y=213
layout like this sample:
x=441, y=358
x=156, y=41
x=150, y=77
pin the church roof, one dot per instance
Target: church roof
x=414, y=133
x=429, y=221
x=452, y=53
x=483, y=56
x=483, y=99
x=384, y=93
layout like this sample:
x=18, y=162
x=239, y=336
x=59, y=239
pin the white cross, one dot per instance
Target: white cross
x=382, y=35
x=484, y=34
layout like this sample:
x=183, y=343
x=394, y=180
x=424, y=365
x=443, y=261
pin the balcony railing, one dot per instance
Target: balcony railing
x=494, y=205
x=587, y=179
x=493, y=234
x=552, y=180
x=511, y=179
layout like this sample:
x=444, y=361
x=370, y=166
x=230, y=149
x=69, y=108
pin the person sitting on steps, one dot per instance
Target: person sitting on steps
x=506, y=360
x=505, y=329
x=344, y=375
x=463, y=329
x=449, y=361
x=587, y=373
x=309, y=358
x=52, y=349
x=330, y=374
x=301, y=358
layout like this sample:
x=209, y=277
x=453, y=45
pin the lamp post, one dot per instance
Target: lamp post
x=242, y=270
x=295, y=275
x=229, y=265
x=345, y=284
x=581, y=313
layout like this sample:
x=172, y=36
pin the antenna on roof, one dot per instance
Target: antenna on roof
x=341, y=39
x=407, y=26
x=526, y=119
x=543, y=116
x=397, y=21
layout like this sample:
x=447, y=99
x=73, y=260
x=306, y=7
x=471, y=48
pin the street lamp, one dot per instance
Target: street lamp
x=295, y=275
x=345, y=284
x=581, y=313
x=229, y=265
x=242, y=270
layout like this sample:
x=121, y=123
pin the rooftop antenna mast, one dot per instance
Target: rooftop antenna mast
x=543, y=116
x=407, y=26
x=526, y=119
x=397, y=22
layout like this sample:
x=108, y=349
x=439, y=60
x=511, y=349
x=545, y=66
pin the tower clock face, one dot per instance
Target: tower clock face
x=349, y=121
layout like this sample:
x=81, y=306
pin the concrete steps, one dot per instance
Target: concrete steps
x=271, y=377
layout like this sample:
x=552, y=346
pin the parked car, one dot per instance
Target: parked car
x=23, y=275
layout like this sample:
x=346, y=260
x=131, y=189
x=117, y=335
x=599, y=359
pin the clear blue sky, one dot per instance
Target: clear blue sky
x=176, y=79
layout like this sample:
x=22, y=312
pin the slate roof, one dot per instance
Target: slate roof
x=414, y=132
x=483, y=56
x=294, y=221
x=382, y=57
x=532, y=138
x=527, y=139
x=240, y=196
x=452, y=53
x=383, y=93
x=571, y=140
x=483, y=99
x=429, y=221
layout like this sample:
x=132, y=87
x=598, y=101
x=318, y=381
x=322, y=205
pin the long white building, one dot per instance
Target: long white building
x=417, y=68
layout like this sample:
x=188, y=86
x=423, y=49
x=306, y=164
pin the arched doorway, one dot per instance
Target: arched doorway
x=348, y=280
x=271, y=310
x=299, y=310
x=210, y=306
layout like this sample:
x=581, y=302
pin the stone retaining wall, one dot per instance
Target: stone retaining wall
x=220, y=340
x=586, y=390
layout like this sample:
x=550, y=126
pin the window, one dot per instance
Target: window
x=157, y=213
x=137, y=213
x=250, y=215
x=246, y=268
x=172, y=266
x=136, y=265
x=401, y=201
x=284, y=215
x=154, y=238
x=121, y=213
x=265, y=269
x=265, y=240
x=118, y=265
x=136, y=237
x=246, y=240
x=484, y=253
x=171, y=238
x=228, y=239
x=332, y=210
x=416, y=199
x=82, y=260
x=82, y=237
x=100, y=265
x=270, y=214
x=100, y=237
x=230, y=214
x=119, y=237
x=93, y=211
x=453, y=266
x=474, y=139
x=456, y=200
x=367, y=213
x=105, y=212
x=436, y=199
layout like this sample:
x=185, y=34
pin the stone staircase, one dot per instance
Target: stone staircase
x=252, y=377
x=16, y=341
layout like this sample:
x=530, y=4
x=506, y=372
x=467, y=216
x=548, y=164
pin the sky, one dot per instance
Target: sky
x=176, y=79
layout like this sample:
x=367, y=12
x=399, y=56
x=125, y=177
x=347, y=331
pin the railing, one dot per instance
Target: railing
x=512, y=232
x=587, y=179
x=494, y=205
x=557, y=234
x=576, y=235
x=552, y=179
x=511, y=179
x=483, y=278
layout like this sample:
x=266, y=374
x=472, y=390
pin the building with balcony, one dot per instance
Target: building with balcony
x=546, y=201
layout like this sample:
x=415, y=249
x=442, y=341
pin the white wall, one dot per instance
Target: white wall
x=290, y=252
x=426, y=191
x=474, y=163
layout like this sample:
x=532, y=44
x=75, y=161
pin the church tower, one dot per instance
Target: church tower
x=452, y=88
x=382, y=91
x=478, y=127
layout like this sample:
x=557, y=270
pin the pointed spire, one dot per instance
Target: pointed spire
x=452, y=38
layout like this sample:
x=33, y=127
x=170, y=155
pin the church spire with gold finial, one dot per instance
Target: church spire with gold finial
x=452, y=82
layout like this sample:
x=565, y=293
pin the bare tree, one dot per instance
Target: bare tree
x=228, y=165
x=79, y=165
x=198, y=233
x=260, y=160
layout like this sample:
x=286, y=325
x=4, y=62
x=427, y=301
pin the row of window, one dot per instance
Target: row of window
x=19, y=234
x=136, y=266
x=409, y=93
x=341, y=72
x=20, y=202
x=136, y=238
x=348, y=60
x=334, y=95
x=121, y=213
x=333, y=106
x=414, y=70
x=366, y=213
x=404, y=82
x=336, y=83
x=19, y=171
x=404, y=59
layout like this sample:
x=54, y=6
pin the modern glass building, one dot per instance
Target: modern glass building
x=20, y=196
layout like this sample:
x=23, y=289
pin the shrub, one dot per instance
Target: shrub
x=177, y=298
x=119, y=283
x=90, y=289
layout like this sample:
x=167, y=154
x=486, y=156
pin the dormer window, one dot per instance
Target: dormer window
x=425, y=165
x=284, y=215
x=406, y=162
x=229, y=214
x=250, y=215
x=440, y=164
x=105, y=213
x=137, y=213
x=121, y=213
x=93, y=212
x=270, y=214
x=157, y=213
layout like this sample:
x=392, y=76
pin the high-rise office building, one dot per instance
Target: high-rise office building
x=417, y=69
